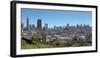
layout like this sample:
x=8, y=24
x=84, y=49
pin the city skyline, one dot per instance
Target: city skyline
x=56, y=17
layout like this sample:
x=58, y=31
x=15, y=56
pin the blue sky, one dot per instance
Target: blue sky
x=56, y=17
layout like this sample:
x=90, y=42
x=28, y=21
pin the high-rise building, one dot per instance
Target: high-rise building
x=77, y=26
x=54, y=26
x=39, y=29
x=81, y=25
x=30, y=27
x=39, y=24
x=27, y=25
x=33, y=27
x=46, y=27
x=67, y=25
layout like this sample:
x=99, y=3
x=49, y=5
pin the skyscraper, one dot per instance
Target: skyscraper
x=33, y=27
x=27, y=25
x=77, y=26
x=30, y=27
x=39, y=29
x=46, y=27
x=67, y=25
x=39, y=24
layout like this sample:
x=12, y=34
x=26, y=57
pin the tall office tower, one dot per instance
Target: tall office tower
x=33, y=27
x=54, y=26
x=39, y=29
x=27, y=25
x=67, y=25
x=39, y=24
x=30, y=27
x=77, y=26
x=84, y=25
x=46, y=27
x=81, y=25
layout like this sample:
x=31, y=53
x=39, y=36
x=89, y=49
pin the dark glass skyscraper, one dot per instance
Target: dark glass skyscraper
x=39, y=24
x=27, y=26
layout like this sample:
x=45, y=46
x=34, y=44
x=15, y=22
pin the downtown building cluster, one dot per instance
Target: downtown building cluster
x=72, y=35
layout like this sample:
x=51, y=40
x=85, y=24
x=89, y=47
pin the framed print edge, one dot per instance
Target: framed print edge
x=14, y=27
x=96, y=28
